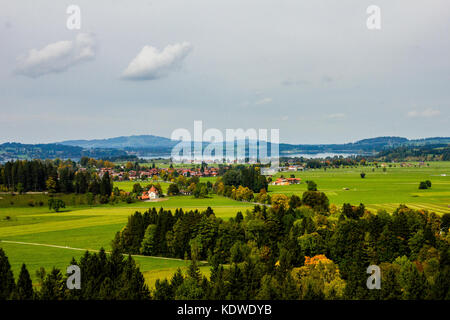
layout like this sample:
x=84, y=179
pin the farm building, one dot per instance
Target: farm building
x=286, y=181
x=150, y=194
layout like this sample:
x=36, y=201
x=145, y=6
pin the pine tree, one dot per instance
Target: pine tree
x=105, y=185
x=107, y=291
x=163, y=290
x=176, y=281
x=53, y=287
x=194, y=271
x=132, y=283
x=6, y=277
x=24, y=287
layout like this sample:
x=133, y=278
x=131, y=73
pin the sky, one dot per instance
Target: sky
x=312, y=69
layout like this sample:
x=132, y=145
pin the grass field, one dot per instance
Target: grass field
x=89, y=228
x=41, y=238
x=128, y=185
x=379, y=189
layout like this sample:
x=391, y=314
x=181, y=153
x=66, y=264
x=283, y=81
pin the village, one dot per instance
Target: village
x=148, y=173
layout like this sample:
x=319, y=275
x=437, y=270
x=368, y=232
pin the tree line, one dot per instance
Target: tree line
x=53, y=176
x=103, y=277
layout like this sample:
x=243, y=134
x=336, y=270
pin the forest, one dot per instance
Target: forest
x=296, y=252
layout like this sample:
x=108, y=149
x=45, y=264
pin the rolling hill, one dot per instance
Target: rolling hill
x=156, y=146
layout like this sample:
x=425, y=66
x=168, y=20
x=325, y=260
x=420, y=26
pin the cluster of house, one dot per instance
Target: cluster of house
x=409, y=164
x=207, y=172
x=150, y=172
x=286, y=181
x=294, y=168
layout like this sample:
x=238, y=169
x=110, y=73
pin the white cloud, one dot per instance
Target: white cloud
x=263, y=101
x=151, y=64
x=427, y=113
x=336, y=116
x=56, y=57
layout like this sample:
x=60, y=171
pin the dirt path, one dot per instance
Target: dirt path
x=80, y=249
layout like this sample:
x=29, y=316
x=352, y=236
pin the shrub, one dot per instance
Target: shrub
x=129, y=199
x=137, y=188
x=104, y=199
x=173, y=190
x=445, y=222
x=312, y=186
x=90, y=198
x=363, y=175
x=316, y=200
x=423, y=185
x=295, y=201
x=55, y=204
x=428, y=182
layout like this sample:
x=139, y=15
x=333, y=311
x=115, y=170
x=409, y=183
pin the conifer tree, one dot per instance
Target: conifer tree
x=53, y=287
x=24, y=287
x=6, y=277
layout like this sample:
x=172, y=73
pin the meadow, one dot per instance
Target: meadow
x=380, y=189
x=128, y=185
x=40, y=238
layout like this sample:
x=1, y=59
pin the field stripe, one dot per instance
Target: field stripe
x=391, y=207
x=60, y=225
x=91, y=250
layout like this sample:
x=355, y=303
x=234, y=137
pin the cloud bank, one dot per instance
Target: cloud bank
x=56, y=57
x=151, y=64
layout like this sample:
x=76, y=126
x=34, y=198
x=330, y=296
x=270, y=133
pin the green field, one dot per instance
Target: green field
x=33, y=235
x=379, y=189
x=128, y=185
x=50, y=239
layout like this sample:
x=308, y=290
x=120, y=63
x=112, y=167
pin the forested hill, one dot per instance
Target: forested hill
x=417, y=153
x=12, y=151
x=150, y=145
x=145, y=144
x=140, y=141
x=365, y=146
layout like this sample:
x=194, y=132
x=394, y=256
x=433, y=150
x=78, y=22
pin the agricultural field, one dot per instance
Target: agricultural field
x=40, y=238
x=379, y=189
x=128, y=185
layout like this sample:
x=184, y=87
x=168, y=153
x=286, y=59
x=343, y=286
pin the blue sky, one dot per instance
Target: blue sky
x=309, y=68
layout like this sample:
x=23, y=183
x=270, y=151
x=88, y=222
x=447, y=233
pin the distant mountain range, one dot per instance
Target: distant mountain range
x=150, y=144
x=142, y=141
x=154, y=146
